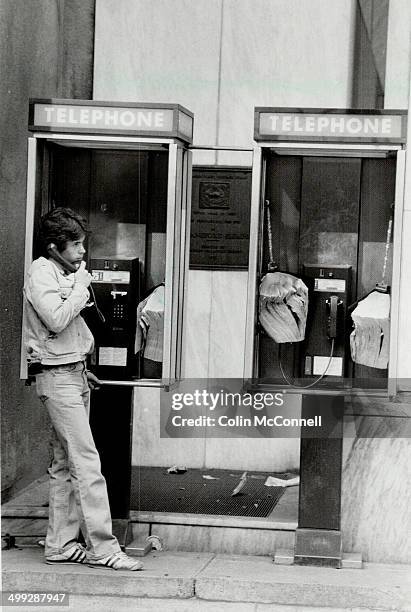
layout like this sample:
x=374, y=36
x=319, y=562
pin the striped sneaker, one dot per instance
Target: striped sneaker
x=75, y=554
x=117, y=561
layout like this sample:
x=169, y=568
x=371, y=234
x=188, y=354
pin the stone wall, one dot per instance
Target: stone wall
x=46, y=50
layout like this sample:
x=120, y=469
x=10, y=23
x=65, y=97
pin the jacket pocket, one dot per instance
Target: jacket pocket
x=62, y=344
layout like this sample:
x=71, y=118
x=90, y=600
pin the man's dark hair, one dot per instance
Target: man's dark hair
x=60, y=225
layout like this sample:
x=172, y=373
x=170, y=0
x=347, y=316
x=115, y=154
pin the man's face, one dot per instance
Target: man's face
x=74, y=251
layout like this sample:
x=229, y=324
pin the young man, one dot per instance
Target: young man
x=58, y=340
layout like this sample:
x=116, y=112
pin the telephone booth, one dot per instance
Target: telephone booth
x=126, y=168
x=327, y=202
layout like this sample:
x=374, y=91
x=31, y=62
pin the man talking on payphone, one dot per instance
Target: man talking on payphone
x=58, y=341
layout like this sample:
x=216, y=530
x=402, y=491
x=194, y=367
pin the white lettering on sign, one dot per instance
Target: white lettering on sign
x=96, y=116
x=372, y=125
x=111, y=117
x=49, y=112
x=337, y=124
x=309, y=124
x=67, y=116
x=322, y=123
x=159, y=120
x=84, y=116
x=273, y=119
x=298, y=126
x=386, y=125
x=61, y=115
x=331, y=124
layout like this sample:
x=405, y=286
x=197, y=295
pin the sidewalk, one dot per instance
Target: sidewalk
x=174, y=581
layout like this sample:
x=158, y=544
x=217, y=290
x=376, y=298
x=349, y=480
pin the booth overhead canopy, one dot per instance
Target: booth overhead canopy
x=332, y=125
x=95, y=117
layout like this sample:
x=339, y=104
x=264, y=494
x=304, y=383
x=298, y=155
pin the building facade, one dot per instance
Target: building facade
x=221, y=59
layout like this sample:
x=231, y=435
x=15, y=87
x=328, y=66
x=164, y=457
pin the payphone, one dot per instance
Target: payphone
x=325, y=345
x=116, y=284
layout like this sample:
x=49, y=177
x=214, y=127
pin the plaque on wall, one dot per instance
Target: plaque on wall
x=220, y=218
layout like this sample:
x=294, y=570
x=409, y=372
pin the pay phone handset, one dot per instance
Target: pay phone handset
x=71, y=268
x=332, y=304
x=56, y=255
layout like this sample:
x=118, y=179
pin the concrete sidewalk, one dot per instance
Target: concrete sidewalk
x=189, y=581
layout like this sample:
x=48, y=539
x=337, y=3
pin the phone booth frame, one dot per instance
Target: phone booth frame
x=97, y=125
x=318, y=535
x=168, y=127
x=306, y=144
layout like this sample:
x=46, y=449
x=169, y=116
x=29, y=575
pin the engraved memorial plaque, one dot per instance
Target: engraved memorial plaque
x=220, y=218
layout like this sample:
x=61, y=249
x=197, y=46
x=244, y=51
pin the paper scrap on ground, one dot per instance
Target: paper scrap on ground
x=207, y=477
x=177, y=469
x=240, y=485
x=272, y=481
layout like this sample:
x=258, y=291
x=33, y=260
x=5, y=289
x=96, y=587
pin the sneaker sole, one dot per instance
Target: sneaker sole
x=107, y=567
x=65, y=562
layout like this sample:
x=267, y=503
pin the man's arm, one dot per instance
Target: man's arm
x=45, y=296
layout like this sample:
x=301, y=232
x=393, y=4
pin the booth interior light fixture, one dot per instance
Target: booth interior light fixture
x=333, y=152
x=113, y=145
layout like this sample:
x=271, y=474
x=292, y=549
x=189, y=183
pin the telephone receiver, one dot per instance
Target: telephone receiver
x=54, y=254
x=69, y=267
x=332, y=306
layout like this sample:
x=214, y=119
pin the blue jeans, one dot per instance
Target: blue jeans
x=78, y=492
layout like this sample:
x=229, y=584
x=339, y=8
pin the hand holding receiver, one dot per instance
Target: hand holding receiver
x=82, y=276
x=54, y=254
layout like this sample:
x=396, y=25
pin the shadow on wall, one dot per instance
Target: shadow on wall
x=370, y=51
x=48, y=51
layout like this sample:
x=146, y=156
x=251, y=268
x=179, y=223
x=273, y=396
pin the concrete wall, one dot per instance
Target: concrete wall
x=46, y=50
x=397, y=71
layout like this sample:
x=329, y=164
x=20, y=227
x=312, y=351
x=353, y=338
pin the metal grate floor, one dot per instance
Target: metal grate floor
x=154, y=489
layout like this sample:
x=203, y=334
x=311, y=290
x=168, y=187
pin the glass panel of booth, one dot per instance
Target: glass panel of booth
x=324, y=215
x=132, y=192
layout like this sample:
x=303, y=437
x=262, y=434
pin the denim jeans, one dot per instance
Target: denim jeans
x=78, y=492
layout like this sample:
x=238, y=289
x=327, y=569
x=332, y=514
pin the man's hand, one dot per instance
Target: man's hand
x=93, y=382
x=82, y=276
